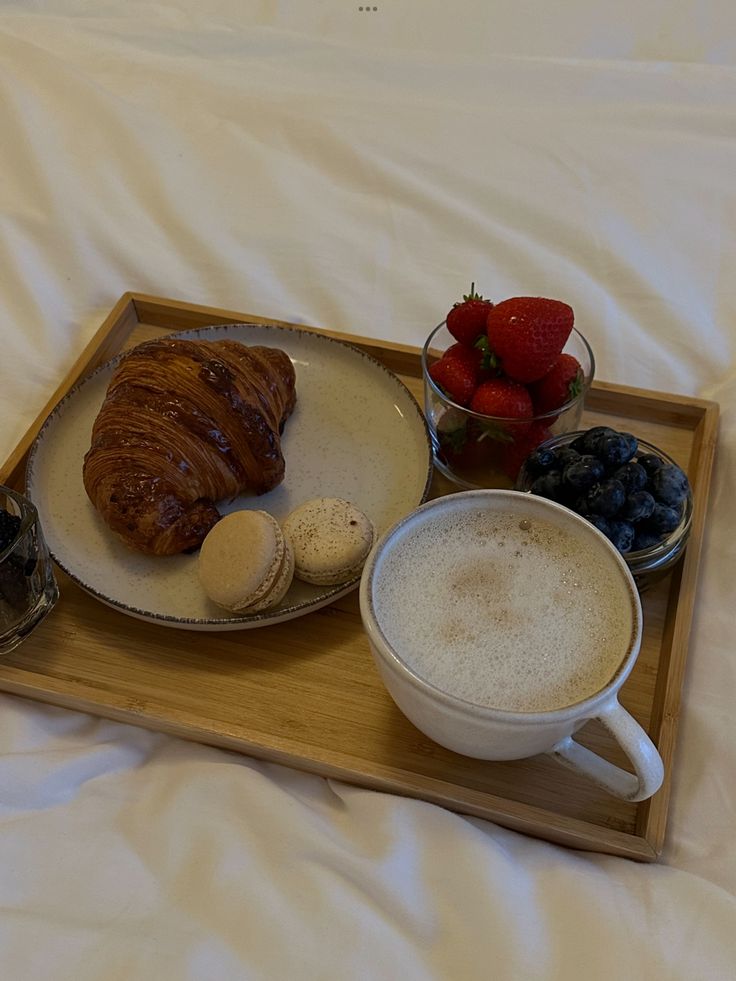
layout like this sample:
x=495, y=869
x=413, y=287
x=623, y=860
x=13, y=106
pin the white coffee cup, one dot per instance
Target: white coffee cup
x=392, y=594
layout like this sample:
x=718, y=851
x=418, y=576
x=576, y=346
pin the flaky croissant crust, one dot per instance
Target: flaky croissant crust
x=184, y=424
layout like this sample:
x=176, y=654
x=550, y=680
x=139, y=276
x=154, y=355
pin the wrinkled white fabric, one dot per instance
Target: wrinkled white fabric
x=357, y=169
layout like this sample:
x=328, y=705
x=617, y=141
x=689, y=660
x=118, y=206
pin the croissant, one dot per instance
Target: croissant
x=185, y=424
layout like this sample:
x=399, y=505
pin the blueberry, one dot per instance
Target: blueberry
x=583, y=473
x=621, y=534
x=614, y=450
x=633, y=443
x=650, y=462
x=577, y=444
x=663, y=519
x=645, y=538
x=13, y=588
x=548, y=485
x=580, y=506
x=592, y=438
x=670, y=485
x=9, y=526
x=632, y=476
x=600, y=523
x=566, y=455
x=607, y=497
x=539, y=461
x=29, y=565
x=638, y=506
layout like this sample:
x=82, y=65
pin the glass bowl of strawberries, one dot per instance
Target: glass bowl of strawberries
x=499, y=380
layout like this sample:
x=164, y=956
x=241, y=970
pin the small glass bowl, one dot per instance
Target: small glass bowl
x=475, y=450
x=28, y=589
x=648, y=564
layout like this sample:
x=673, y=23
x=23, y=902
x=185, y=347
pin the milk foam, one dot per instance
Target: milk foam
x=505, y=610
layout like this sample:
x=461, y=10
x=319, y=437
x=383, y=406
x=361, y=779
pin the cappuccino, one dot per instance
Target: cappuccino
x=505, y=609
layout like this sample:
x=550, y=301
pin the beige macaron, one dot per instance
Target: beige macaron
x=246, y=564
x=331, y=539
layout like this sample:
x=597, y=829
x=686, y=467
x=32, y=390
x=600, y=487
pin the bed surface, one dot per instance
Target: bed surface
x=356, y=169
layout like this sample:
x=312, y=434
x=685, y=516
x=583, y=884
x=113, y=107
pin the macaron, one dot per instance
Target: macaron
x=246, y=563
x=331, y=539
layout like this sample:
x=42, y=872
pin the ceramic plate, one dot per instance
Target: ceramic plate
x=356, y=433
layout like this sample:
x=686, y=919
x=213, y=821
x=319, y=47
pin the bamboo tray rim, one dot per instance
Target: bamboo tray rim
x=134, y=309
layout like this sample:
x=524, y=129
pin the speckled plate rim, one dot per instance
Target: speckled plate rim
x=234, y=622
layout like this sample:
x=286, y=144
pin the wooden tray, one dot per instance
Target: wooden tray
x=305, y=693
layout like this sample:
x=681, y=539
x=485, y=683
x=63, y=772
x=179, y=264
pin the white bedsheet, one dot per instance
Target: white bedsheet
x=356, y=169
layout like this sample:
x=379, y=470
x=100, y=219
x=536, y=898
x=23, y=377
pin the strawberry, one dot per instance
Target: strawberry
x=522, y=445
x=563, y=381
x=467, y=320
x=463, y=447
x=527, y=333
x=467, y=355
x=487, y=360
x=456, y=374
x=502, y=397
x=478, y=358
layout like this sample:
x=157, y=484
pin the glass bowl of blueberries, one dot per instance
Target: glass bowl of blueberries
x=631, y=490
x=28, y=588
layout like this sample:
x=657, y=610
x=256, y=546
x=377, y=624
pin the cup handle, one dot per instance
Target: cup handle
x=634, y=741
